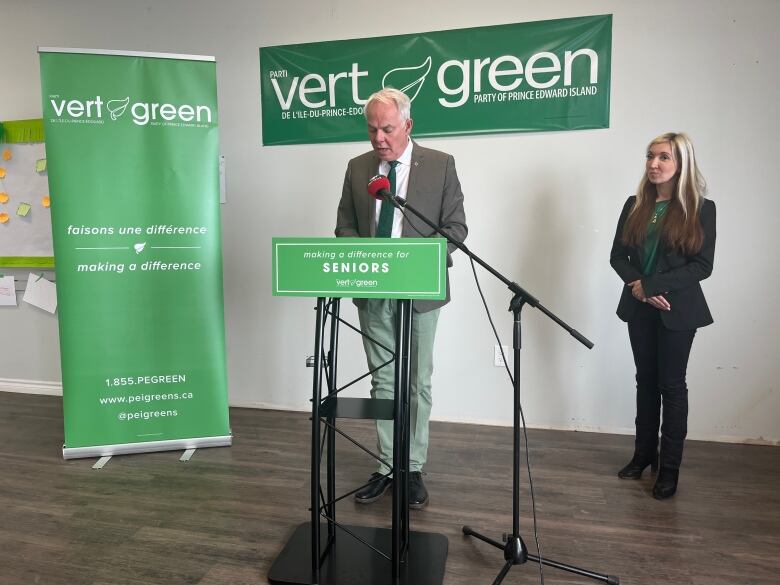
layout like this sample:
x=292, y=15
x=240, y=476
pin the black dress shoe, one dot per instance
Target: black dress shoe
x=376, y=488
x=418, y=495
x=666, y=484
x=636, y=466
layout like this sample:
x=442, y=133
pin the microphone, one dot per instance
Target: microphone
x=379, y=187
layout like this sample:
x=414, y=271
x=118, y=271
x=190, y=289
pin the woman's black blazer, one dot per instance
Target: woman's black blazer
x=676, y=277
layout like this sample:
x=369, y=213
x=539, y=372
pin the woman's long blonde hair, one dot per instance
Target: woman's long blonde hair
x=680, y=226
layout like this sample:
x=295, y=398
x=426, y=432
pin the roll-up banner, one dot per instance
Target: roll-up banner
x=533, y=76
x=133, y=162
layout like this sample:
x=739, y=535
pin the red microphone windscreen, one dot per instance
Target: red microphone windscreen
x=377, y=184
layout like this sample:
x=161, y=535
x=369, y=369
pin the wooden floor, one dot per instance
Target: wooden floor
x=222, y=518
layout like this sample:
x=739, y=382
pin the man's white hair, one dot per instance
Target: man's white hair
x=393, y=96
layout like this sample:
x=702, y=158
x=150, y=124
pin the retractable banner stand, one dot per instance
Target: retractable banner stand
x=133, y=162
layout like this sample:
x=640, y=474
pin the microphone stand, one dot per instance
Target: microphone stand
x=515, y=552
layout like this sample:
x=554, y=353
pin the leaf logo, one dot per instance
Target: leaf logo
x=139, y=247
x=408, y=79
x=117, y=107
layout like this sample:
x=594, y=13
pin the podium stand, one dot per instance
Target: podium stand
x=322, y=550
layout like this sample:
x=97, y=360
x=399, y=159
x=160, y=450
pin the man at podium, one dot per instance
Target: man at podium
x=428, y=180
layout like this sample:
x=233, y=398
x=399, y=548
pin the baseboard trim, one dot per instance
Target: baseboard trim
x=30, y=386
x=701, y=436
x=55, y=389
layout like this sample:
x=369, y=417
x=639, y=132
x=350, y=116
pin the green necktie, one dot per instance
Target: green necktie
x=384, y=228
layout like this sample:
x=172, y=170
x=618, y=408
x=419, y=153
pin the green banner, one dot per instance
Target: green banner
x=132, y=147
x=547, y=75
x=390, y=268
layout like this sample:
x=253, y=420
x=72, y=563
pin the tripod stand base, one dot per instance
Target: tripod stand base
x=350, y=562
x=516, y=559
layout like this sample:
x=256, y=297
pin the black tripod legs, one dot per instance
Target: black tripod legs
x=469, y=532
x=515, y=553
x=503, y=573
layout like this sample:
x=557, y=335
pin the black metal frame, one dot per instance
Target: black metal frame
x=400, y=466
x=427, y=563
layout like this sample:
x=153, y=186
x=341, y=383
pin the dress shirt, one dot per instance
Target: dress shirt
x=401, y=185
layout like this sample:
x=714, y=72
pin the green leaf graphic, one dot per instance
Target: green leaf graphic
x=117, y=107
x=408, y=79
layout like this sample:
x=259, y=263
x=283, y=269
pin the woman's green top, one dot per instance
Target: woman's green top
x=652, y=239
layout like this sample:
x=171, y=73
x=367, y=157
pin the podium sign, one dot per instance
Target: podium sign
x=388, y=268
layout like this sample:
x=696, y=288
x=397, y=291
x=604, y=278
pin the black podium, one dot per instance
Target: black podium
x=324, y=551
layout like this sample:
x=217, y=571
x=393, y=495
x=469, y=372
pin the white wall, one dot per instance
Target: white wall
x=541, y=207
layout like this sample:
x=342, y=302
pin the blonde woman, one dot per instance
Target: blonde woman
x=664, y=246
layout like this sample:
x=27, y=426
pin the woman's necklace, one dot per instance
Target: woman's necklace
x=660, y=207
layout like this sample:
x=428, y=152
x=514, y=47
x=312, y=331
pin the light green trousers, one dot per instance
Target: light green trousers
x=377, y=320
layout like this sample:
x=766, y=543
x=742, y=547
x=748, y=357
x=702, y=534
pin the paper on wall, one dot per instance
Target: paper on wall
x=7, y=291
x=41, y=293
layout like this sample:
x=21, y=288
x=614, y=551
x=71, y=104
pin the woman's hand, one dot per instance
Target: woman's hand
x=659, y=301
x=637, y=290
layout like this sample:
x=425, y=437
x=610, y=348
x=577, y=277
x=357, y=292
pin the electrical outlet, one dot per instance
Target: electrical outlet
x=498, y=359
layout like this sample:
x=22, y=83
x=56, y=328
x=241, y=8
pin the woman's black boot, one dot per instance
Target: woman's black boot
x=666, y=484
x=637, y=465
